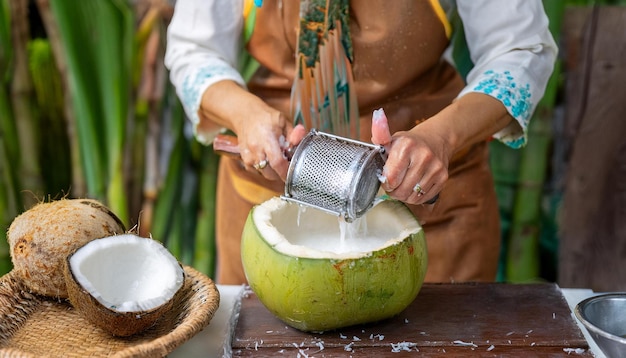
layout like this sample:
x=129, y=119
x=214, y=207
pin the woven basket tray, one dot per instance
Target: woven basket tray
x=34, y=326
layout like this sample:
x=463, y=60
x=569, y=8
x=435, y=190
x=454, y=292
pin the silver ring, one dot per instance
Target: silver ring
x=260, y=165
x=418, y=189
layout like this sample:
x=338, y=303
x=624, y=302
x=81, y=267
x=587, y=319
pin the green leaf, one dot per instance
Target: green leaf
x=205, y=250
x=76, y=28
x=167, y=201
x=5, y=40
x=98, y=40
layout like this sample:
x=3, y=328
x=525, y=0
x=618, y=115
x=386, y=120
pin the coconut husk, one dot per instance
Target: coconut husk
x=41, y=238
x=38, y=326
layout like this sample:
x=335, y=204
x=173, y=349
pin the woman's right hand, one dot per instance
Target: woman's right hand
x=263, y=132
x=264, y=138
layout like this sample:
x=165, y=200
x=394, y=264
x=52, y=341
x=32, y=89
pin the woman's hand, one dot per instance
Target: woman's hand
x=264, y=139
x=417, y=163
x=263, y=133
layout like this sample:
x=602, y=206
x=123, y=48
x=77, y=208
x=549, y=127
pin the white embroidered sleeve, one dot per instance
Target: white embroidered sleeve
x=203, y=45
x=513, y=53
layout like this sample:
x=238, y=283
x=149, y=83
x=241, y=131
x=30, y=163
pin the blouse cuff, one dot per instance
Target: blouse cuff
x=514, y=95
x=194, y=85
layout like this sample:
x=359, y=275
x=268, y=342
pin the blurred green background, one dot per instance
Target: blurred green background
x=86, y=110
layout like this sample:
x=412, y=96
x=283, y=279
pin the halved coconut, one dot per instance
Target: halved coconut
x=317, y=273
x=42, y=237
x=123, y=283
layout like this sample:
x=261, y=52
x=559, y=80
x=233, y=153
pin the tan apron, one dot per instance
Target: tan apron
x=397, y=65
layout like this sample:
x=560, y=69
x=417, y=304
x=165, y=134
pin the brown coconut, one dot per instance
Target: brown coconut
x=119, y=324
x=41, y=239
x=110, y=319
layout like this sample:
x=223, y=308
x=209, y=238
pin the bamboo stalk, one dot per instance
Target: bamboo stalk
x=79, y=187
x=178, y=205
x=9, y=149
x=504, y=163
x=8, y=176
x=158, y=94
x=144, y=32
x=147, y=109
x=8, y=206
x=22, y=103
x=151, y=169
x=523, y=256
x=188, y=210
x=174, y=236
x=170, y=190
x=205, y=250
x=5, y=38
x=54, y=153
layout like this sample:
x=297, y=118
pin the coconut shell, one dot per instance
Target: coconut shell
x=42, y=238
x=324, y=293
x=119, y=324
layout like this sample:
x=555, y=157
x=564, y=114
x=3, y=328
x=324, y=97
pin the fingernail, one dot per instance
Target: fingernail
x=378, y=114
x=282, y=142
x=382, y=177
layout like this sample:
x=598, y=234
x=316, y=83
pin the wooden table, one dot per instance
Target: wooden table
x=455, y=320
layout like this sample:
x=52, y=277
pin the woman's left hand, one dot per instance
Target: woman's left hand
x=417, y=163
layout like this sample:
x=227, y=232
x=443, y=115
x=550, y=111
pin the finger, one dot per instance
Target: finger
x=246, y=157
x=380, y=128
x=256, y=164
x=297, y=133
x=396, y=167
x=393, y=175
x=431, y=185
x=431, y=195
x=278, y=165
x=269, y=173
x=264, y=168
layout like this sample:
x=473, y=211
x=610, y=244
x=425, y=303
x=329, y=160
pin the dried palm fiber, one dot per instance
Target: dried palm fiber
x=323, y=95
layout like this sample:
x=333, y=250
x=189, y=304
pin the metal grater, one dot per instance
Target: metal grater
x=334, y=174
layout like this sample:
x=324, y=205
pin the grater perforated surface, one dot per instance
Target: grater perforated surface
x=335, y=174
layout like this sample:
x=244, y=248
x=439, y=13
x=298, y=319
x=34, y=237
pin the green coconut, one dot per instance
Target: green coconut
x=317, y=273
x=124, y=283
x=41, y=238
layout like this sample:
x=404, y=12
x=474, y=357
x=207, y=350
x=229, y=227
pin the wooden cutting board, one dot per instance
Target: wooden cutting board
x=477, y=319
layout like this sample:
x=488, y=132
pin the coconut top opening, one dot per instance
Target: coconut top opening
x=127, y=273
x=305, y=232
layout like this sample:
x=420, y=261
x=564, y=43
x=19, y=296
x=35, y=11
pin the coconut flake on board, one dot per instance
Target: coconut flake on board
x=465, y=344
x=378, y=337
x=574, y=350
x=403, y=347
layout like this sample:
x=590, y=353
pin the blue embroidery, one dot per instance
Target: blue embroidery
x=258, y=3
x=191, y=91
x=515, y=97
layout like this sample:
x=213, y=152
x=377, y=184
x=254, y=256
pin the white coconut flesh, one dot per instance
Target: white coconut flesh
x=310, y=233
x=127, y=273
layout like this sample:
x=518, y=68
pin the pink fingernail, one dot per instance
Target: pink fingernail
x=378, y=115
